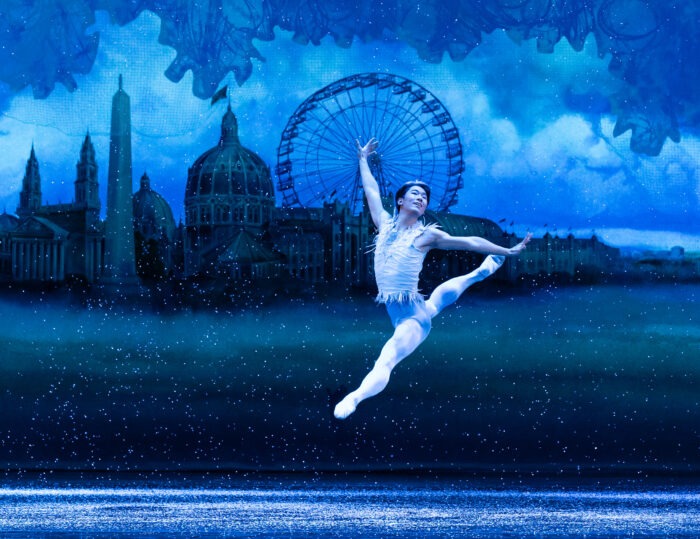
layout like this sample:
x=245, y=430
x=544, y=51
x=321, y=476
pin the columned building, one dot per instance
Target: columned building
x=154, y=233
x=8, y=224
x=52, y=242
x=327, y=244
x=56, y=242
x=554, y=255
x=441, y=265
x=229, y=204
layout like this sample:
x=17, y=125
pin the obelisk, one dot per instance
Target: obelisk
x=120, y=256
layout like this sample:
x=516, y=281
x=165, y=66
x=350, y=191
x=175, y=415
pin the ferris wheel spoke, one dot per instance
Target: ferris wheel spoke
x=413, y=120
x=408, y=162
x=402, y=131
x=409, y=137
x=415, y=135
x=373, y=100
x=369, y=113
x=329, y=175
x=343, y=122
x=382, y=104
x=406, y=154
x=319, y=116
x=379, y=114
x=322, y=126
x=398, y=118
x=408, y=149
x=390, y=119
x=328, y=165
x=339, y=138
x=318, y=134
x=341, y=144
x=332, y=143
x=355, y=112
x=339, y=186
x=403, y=170
x=328, y=172
x=338, y=153
x=365, y=120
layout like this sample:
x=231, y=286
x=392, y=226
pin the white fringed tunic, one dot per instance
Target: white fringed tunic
x=398, y=262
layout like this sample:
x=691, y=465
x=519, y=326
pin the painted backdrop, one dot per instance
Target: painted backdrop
x=574, y=117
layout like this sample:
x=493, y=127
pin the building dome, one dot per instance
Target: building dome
x=153, y=217
x=8, y=222
x=229, y=191
x=229, y=169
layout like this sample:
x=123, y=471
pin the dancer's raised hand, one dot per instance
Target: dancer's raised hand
x=363, y=152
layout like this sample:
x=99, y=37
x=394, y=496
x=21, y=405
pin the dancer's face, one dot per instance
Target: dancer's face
x=415, y=200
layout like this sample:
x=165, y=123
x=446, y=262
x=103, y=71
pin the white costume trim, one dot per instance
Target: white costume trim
x=398, y=262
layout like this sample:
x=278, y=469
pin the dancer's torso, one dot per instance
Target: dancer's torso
x=398, y=262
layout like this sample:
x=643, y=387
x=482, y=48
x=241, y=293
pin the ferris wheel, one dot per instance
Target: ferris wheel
x=317, y=156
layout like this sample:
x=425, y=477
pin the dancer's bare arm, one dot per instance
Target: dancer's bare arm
x=438, y=239
x=369, y=183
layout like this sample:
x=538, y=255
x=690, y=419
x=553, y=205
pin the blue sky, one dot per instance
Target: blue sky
x=536, y=129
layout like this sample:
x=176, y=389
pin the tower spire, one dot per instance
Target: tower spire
x=30, y=196
x=86, y=184
x=229, y=128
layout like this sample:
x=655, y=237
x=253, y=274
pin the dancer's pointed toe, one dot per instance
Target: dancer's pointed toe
x=490, y=265
x=344, y=408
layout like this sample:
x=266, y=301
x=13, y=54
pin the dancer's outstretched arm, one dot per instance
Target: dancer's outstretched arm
x=438, y=239
x=369, y=183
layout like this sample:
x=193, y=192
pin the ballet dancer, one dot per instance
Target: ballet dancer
x=402, y=242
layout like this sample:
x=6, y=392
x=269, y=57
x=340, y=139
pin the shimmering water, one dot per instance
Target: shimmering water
x=368, y=507
x=548, y=379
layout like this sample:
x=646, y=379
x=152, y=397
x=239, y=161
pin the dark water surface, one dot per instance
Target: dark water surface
x=379, y=506
x=585, y=383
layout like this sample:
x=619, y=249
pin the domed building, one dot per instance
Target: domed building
x=154, y=232
x=8, y=224
x=229, y=204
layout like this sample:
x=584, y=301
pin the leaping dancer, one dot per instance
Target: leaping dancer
x=401, y=245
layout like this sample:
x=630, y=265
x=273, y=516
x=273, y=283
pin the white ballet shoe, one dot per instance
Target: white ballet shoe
x=344, y=408
x=490, y=265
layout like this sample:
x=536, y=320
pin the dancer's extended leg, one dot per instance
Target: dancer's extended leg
x=449, y=291
x=410, y=333
x=407, y=336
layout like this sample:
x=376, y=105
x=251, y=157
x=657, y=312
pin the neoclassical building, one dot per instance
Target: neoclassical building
x=51, y=242
x=554, y=255
x=8, y=224
x=58, y=242
x=327, y=244
x=55, y=242
x=155, y=233
x=229, y=208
